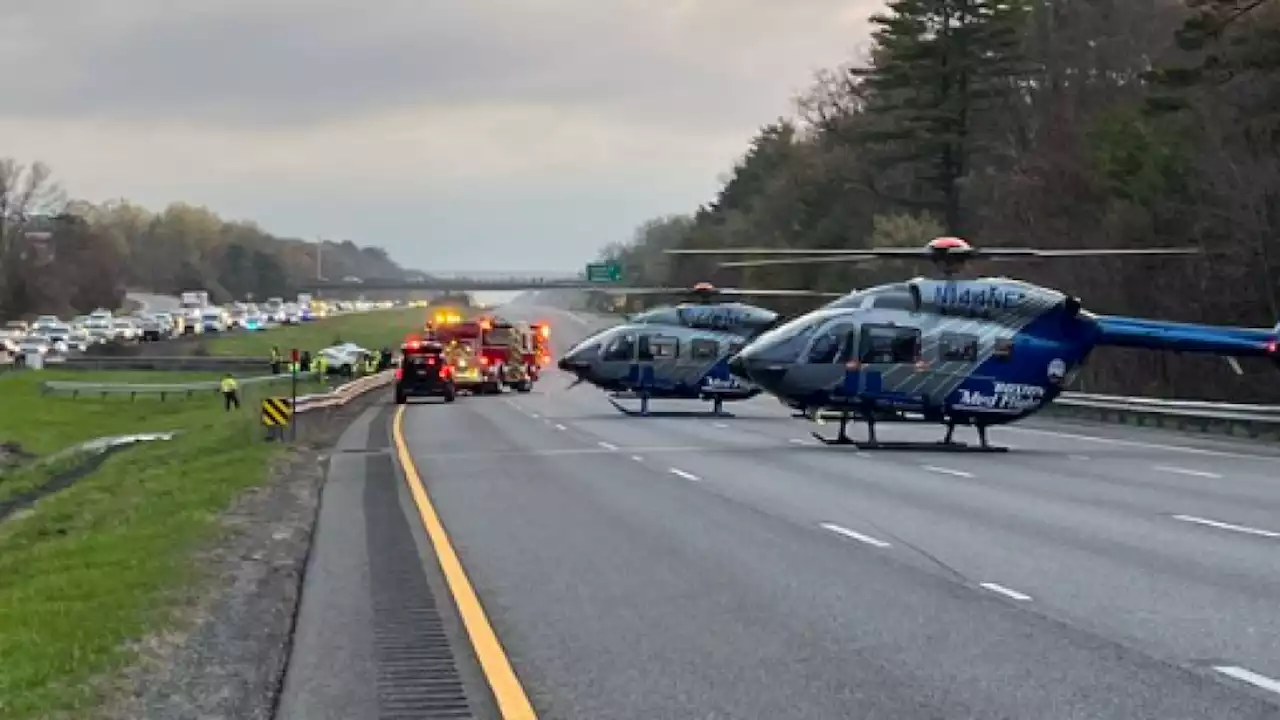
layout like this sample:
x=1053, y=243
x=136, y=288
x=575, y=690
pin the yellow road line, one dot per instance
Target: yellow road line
x=513, y=703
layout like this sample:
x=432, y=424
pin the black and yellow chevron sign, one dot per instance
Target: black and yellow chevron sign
x=276, y=412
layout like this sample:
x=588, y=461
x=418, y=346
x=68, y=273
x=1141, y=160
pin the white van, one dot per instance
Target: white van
x=213, y=321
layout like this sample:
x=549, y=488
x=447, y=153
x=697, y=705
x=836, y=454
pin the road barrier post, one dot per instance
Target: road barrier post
x=277, y=413
x=293, y=393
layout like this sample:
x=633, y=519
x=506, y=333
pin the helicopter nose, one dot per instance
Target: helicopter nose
x=576, y=360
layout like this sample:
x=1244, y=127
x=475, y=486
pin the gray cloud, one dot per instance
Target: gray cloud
x=281, y=62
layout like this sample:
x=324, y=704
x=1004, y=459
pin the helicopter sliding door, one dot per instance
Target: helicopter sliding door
x=655, y=360
x=889, y=362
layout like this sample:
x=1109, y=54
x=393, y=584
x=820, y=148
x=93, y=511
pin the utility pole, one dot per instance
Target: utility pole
x=319, y=255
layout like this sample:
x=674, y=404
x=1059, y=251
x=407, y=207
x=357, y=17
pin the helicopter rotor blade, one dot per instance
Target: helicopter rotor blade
x=764, y=292
x=816, y=255
x=714, y=292
x=797, y=261
x=640, y=290
x=1013, y=253
x=868, y=252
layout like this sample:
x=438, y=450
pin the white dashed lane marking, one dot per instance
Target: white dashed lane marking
x=946, y=471
x=1002, y=590
x=607, y=446
x=1244, y=529
x=561, y=427
x=686, y=475
x=1250, y=677
x=1188, y=471
x=854, y=535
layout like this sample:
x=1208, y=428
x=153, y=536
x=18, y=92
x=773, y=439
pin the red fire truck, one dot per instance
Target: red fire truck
x=501, y=349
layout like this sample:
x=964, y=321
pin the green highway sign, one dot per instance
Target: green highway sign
x=604, y=272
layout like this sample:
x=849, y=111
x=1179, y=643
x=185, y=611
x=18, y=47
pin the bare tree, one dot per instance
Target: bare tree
x=29, y=199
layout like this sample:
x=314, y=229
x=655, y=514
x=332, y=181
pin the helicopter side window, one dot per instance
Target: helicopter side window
x=622, y=348
x=736, y=347
x=701, y=349
x=1002, y=348
x=826, y=348
x=894, y=301
x=664, y=348
x=955, y=347
x=888, y=344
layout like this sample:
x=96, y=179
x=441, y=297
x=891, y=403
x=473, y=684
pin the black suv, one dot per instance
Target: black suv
x=424, y=372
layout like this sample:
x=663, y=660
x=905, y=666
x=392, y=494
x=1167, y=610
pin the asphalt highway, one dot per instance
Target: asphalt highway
x=734, y=568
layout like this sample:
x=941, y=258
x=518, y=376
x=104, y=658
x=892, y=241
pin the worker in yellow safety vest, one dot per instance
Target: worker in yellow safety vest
x=230, y=392
x=275, y=360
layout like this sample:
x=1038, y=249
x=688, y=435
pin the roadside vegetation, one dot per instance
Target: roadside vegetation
x=100, y=564
x=103, y=248
x=93, y=568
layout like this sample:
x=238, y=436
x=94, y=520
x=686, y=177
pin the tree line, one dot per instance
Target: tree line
x=1043, y=123
x=62, y=256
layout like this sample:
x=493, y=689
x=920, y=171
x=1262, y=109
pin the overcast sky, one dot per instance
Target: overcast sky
x=458, y=134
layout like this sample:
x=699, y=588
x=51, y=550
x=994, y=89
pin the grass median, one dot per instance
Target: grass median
x=100, y=564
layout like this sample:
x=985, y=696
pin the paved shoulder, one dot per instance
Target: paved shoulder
x=376, y=636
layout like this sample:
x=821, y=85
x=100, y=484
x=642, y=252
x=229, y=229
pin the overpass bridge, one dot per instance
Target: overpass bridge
x=460, y=282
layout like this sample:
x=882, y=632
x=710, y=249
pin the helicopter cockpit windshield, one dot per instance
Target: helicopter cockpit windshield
x=581, y=355
x=786, y=343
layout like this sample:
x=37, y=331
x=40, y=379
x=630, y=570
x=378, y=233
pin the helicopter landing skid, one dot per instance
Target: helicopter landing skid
x=644, y=411
x=944, y=445
x=939, y=446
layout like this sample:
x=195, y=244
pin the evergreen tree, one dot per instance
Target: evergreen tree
x=937, y=66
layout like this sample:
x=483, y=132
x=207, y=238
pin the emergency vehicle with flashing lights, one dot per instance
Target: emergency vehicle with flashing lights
x=540, y=340
x=506, y=345
x=473, y=371
x=445, y=316
x=424, y=372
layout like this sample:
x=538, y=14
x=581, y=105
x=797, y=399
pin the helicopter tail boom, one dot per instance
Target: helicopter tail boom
x=1188, y=337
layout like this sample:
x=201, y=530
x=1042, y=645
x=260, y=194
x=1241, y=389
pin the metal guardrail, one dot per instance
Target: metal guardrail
x=212, y=363
x=1233, y=419
x=343, y=394
x=133, y=390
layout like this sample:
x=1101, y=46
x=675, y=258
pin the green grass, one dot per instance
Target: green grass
x=45, y=424
x=108, y=560
x=102, y=563
x=372, y=330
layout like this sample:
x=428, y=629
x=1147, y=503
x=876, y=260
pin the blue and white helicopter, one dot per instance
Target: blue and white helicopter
x=678, y=352
x=977, y=352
